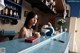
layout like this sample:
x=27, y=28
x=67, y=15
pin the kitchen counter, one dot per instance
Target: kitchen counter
x=49, y=44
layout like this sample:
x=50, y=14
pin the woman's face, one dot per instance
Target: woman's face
x=33, y=21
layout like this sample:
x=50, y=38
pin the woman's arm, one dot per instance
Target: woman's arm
x=37, y=35
x=22, y=33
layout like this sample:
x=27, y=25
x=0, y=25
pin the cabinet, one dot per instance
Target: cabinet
x=12, y=10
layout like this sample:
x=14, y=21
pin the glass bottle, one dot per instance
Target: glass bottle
x=14, y=12
x=2, y=12
x=11, y=11
x=6, y=10
x=15, y=1
x=18, y=1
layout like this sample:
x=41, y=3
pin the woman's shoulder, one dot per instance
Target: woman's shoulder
x=23, y=29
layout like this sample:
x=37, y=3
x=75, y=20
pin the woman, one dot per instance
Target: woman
x=27, y=29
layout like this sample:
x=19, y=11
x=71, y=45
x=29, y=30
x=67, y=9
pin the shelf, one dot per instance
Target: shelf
x=40, y=5
x=4, y=16
x=13, y=3
x=12, y=8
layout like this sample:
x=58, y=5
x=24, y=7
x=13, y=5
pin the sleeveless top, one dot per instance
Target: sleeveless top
x=29, y=33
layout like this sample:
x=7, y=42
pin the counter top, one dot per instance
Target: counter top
x=42, y=45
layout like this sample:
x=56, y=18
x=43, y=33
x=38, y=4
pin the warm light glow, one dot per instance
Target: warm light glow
x=54, y=3
x=2, y=5
x=51, y=0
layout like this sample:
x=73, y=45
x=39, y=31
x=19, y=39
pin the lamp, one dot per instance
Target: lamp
x=2, y=5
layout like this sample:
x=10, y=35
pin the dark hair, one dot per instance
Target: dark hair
x=29, y=16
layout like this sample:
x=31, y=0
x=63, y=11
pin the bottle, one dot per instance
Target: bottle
x=2, y=12
x=11, y=11
x=14, y=12
x=18, y=1
x=6, y=10
x=15, y=1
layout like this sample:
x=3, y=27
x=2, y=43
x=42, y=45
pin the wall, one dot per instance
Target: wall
x=26, y=6
x=75, y=7
x=75, y=14
x=72, y=31
x=77, y=36
x=43, y=18
x=20, y=22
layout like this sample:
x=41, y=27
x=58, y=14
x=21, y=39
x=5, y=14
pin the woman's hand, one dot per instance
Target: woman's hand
x=37, y=35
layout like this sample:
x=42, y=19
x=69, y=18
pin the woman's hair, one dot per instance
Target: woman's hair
x=29, y=16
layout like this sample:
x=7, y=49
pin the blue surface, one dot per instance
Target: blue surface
x=43, y=45
x=17, y=45
x=8, y=33
x=50, y=46
x=73, y=0
x=74, y=7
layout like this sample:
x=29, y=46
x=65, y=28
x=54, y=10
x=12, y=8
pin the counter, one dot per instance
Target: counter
x=42, y=45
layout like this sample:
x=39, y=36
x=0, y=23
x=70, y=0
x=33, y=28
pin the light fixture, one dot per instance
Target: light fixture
x=2, y=5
